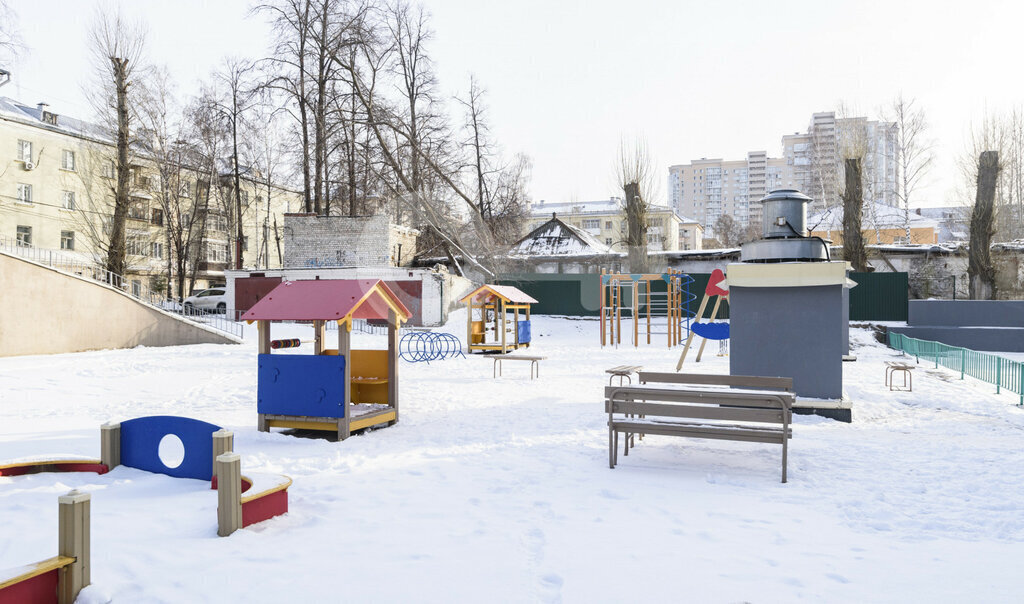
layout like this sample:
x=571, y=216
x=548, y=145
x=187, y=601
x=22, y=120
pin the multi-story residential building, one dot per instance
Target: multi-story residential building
x=811, y=162
x=606, y=220
x=57, y=179
x=708, y=188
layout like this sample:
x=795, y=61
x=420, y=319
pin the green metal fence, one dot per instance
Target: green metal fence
x=1004, y=373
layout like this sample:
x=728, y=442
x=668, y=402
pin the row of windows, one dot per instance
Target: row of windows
x=24, y=154
x=134, y=246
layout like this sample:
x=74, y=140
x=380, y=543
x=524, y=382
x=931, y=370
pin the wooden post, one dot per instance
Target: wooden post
x=618, y=312
x=515, y=323
x=714, y=313
x=393, y=363
x=469, y=326
x=229, y=493
x=345, y=350
x=223, y=442
x=110, y=445
x=600, y=295
x=689, y=337
x=501, y=307
x=73, y=542
x=650, y=298
x=263, y=329
x=318, y=337
x=636, y=314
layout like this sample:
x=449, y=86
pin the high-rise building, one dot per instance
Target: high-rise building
x=811, y=162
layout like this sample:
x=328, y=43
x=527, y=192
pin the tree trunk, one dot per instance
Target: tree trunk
x=981, y=273
x=238, y=184
x=853, y=205
x=116, y=249
x=636, y=228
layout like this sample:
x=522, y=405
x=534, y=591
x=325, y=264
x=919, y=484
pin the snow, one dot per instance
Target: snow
x=499, y=489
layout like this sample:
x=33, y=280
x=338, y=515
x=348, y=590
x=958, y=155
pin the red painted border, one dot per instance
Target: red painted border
x=265, y=507
x=42, y=466
x=40, y=589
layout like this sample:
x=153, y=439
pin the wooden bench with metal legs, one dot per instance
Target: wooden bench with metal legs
x=534, y=363
x=765, y=415
x=622, y=371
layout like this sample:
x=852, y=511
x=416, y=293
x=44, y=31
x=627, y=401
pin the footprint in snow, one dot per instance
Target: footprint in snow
x=610, y=495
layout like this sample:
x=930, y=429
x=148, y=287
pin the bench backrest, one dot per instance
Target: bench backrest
x=732, y=405
x=739, y=381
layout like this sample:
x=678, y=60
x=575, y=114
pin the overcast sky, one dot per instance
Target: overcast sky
x=567, y=80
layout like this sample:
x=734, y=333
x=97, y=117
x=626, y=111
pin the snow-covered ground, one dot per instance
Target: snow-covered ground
x=500, y=491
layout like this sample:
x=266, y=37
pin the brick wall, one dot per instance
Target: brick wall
x=334, y=241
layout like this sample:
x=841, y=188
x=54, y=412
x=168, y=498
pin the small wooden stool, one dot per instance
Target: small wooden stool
x=891, y=367
x=622, y=371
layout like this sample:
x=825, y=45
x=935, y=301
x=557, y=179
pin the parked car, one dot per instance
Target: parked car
x=213, y=299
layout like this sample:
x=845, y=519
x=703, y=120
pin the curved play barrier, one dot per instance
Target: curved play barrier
x=420, y=346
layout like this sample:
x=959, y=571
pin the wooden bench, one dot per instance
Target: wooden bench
x=622, y=371
x=765, y=415
x=891, y=367
x=534, y=363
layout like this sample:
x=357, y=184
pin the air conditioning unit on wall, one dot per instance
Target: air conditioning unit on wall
x=29, y=165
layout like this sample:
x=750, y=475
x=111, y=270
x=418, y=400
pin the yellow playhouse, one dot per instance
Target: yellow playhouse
x=492, y=319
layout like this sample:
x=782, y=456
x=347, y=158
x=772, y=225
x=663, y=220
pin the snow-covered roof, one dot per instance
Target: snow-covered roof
x=875, y=215
x=557, y=238
x=33, y=116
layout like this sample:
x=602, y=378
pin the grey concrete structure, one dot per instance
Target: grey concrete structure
x=771, y=336
x=46, y=311
x=312, y=241
x=985, y=325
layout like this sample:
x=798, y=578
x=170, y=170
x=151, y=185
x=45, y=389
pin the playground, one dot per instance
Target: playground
x=499, y=490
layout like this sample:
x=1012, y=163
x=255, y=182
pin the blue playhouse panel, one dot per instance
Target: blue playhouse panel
x=140, y=443
x=524, y=332
x=294, y=384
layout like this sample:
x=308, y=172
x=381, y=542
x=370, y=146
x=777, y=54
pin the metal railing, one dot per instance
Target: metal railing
x=134, y=288
x=993, y=369
x=361, y=325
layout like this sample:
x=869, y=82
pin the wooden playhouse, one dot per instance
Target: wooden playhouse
x=334, y=389
x=492, y=317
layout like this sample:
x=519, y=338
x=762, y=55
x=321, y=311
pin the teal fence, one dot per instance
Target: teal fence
x=1004, y=373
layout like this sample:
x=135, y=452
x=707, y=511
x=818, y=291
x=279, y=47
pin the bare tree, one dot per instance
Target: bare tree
x=914, y=151
x=979, y=268
x=634, y=174
x=476, y=124
x=11, y=44
x=117, y=48
x=853, y=202
x=238, y=98
x=729, y=232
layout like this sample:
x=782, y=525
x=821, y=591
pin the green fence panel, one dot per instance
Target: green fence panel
x=1003, y=373
x=879, y=297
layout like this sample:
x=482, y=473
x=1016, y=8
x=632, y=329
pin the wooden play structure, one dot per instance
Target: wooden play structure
x=334, y=389
x=711, y=330
x=492, y=319
x=633, y=296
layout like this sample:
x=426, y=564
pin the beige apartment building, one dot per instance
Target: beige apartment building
x=56, y=193
x=605, y=220
x=811, y=163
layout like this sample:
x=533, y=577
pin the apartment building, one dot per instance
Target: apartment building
x=57, y=179
x=605, y=219
x=811, y=162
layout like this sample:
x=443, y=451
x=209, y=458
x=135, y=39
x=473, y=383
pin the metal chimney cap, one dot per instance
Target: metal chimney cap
x=786, y=194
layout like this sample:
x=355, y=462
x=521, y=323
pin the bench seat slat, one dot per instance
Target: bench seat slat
x=701, y=431
x=773, y=416
x=745, y=381
x=737, y=397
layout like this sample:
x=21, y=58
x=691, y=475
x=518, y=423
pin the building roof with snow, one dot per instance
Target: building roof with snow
x=874, y=216
x=602, y=207
x=557, y=238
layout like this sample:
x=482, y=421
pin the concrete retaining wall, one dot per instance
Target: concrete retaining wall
x=975, y=313
x=45, y=311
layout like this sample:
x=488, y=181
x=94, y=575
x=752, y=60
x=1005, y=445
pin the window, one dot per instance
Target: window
x=245, y=244
x=24, y=193
x=608, y=225
x=156, y=250
x=136, y=246
x=245, y=198
x=653, y=238
x=138, y=211
x=157, y=217
x=25, y=151
x=592, y=223
x=68, y=200
x=67, y=160
x=136, y=288
x=184, y=189
x=109, y=171
x=607, y=240
x=24, y=236
x=67, y=240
